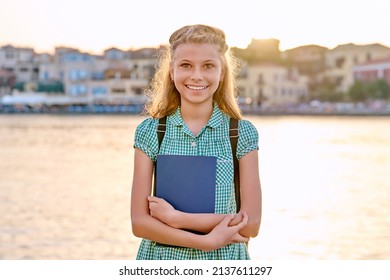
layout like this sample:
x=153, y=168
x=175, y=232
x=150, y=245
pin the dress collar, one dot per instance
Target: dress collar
x=214, y=121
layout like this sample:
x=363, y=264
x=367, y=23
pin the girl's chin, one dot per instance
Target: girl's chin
x=196, y=101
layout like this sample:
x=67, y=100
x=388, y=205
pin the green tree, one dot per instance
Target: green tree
x=379, y=89
x=358, y=91
x=363, y=91
x=326, y=91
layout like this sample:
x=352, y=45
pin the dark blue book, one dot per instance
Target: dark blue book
x=187, y=182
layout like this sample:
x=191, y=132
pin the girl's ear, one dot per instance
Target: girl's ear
x=222, y=74
x=223, y=71
x=171, y=74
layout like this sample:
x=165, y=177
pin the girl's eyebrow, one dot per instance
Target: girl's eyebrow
x=205, y=61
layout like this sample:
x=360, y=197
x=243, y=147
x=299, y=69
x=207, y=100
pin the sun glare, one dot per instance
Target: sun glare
x=44, y=24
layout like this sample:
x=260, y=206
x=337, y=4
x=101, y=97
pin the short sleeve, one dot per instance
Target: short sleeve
x=248, y=139
x=145, y=138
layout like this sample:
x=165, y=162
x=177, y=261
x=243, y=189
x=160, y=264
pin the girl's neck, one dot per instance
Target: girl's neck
x=196, y=116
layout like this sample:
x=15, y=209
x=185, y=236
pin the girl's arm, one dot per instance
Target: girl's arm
x=202, y=222
x=146, y=226
x=251, y=199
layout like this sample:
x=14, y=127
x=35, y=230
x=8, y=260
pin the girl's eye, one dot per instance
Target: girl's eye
x=185, y=65
x=209, y=66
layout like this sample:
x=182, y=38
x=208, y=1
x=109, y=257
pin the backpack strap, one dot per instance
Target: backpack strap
x=161, y=128
x=233, y=135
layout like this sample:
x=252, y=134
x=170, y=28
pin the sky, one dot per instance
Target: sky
x=95, y=25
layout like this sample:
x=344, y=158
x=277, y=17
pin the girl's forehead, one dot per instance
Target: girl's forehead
x=196, y=51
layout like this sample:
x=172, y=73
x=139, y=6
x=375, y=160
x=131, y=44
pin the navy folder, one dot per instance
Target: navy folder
x=187, y=182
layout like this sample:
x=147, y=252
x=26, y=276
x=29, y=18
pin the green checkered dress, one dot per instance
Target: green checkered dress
x=212, y=140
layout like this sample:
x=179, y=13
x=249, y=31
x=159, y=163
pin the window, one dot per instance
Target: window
x=82, y=89
x=97, y=76
x=118, y=90
x=260, y=79
x=76, y=90
x=340, y=62
x=137, y=90
x=82, y=74
x=99, y=90
x=77, y=74
x=9, y=56
x=73, y=57
x=72, y=75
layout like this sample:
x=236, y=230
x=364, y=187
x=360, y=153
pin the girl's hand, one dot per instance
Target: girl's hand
x=160, y=209
x=223, y=234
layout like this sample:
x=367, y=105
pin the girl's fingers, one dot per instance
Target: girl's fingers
x=243, y=222
x=240, y=239
x=227, y=220
x=154, y=199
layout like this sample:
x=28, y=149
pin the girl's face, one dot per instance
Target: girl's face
x=196, y=70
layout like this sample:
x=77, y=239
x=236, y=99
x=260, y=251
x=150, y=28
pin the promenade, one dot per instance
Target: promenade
x=375, y=108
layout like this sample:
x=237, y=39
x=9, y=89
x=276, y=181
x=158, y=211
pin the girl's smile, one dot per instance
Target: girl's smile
x=196, y=87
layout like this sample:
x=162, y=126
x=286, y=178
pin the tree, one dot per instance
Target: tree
x=326, y=91
x=379, y=89
x=362, y=91
x=358, y=91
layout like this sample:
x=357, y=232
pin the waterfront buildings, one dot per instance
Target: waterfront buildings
x=341, y=60
x=268, y=77
x=265, y=79
x=115, y=77
x=7, y=81
x=309, y=60
x=373, y=70
x=272, y=85
x=21, y=62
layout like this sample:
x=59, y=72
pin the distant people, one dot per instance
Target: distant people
x=195, y=89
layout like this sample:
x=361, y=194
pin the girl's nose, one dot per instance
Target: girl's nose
x=196, y=74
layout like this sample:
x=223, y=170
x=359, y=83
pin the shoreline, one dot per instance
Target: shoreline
x=137, y=109
x=264, y=114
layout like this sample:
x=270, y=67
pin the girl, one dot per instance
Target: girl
x=194, y=87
